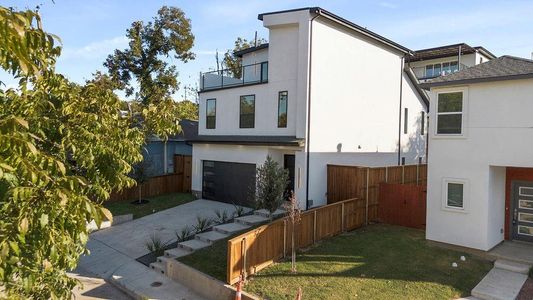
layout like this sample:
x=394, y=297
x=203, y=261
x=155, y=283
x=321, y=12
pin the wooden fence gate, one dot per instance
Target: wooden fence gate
x=403, y=204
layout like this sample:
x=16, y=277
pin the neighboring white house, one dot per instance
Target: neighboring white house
x=480, y=176
x=322, y=91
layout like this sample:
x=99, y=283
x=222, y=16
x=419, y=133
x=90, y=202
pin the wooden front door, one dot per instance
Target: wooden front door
x=522, y=211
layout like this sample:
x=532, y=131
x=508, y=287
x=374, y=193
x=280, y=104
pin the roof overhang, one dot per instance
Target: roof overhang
x=250, y=140
x=429, y=85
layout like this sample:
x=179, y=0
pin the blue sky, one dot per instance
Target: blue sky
x=90, y=30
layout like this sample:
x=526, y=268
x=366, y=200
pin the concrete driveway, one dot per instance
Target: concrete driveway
x=130, y=238
x=113, y=250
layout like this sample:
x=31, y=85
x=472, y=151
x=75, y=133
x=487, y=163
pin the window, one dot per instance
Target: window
x=455, y=195
x=450, y=113
x=247, y=111
x=422, y=123
x=429, y=71
x=403, y=161
x=282, y=109
x=405, y=119
x=454, y=66
x=435, y=70
x=211, y=114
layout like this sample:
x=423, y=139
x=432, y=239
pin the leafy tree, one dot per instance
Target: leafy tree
x=271, y=182
x=141, y=174
x=187, y=110
x=63, y=148
x=141, y=71
x=234, y=63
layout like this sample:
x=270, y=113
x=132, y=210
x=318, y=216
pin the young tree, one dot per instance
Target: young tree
x=294, y=214
x=271, y=182
x=141, y=71
x=63, y=148
x=234, y=63
x=140, y=173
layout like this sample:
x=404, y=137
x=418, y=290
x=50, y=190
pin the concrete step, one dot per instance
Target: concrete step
x=210, y=236
x=176, y=252
x=251, y=220
x=230, y=228
x=265, y=213
x=512, y=266
x=164, y=259
x=192, y=245
x=499, y=284
x=159, y=267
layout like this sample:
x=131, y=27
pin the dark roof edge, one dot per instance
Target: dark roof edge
x=247, y=143
x=444, y=47
x=346, y=23
x=240, y=53
x=416, y=84
x=429, y=85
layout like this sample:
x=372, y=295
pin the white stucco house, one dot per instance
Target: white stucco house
x=480, y=163
x=322, y=91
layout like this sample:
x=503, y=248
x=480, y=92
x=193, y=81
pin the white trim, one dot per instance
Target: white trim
x=525, y=188
x=518, y=230
x=466, y=191
x=523, y=207
x=464, y=113
x=524, y=220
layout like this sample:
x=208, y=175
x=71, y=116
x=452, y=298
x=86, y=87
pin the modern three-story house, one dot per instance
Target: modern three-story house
x=322, y=91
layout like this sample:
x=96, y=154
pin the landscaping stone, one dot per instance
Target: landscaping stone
x=176, y=252
x=499, y=284
x=230, y=228
x=251, y=220
x=192, y=245
x=210, y=236
x=159, y=267
x=265, y=213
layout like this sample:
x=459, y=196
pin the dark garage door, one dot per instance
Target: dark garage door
x=228, y=182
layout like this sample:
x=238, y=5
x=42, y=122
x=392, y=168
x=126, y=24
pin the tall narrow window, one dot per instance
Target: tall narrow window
x=450, y=113
x=211, y=114
x=247, y=111
x=405, y=119
x=422, y=123
x=282, y=109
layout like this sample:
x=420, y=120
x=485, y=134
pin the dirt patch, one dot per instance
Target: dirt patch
x=526, y=293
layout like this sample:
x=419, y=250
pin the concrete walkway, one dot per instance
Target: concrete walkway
x=113, y=251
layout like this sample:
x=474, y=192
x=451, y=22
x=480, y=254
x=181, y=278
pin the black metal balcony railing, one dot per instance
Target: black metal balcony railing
x=249, y=74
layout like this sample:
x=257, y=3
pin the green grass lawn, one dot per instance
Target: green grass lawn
x=156, y=204
x=378, y=262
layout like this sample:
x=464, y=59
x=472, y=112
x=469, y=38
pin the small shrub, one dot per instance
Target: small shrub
x=271, y=183
x=239, y=211
x=202, y=224
x=183, y=235
x=156, y=245
x=221, y=216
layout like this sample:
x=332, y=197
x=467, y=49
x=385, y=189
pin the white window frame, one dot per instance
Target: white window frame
x=466, y=191
x=464, y=114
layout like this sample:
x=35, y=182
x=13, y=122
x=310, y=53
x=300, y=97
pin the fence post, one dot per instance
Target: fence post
x=417, y=172
x=386, y=174
x=243, y=250
x=366, y=205
x=285, y=237
x=314, y=227
x=403, y=174
x=342, y=217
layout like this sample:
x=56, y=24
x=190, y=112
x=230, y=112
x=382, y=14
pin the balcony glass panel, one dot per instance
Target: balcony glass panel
x=248, y=74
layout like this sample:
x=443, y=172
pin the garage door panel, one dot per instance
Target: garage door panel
x=228, y=182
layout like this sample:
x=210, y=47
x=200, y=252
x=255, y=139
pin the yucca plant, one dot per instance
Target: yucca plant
x=239, y=211
x=221, y=216
x=156, y=245
x=184, y=234
x=202, y=223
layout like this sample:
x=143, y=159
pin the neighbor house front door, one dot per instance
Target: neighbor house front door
x=522, y=211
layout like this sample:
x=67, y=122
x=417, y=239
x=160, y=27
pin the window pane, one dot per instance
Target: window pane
x=449, y=124
x=446, y=68
x=450, y=102
x=429, y=71
x=525, y=191
x=282, y=109
x=525, y=230
x=247, y=117
x=211, y=112
x=454, y=66
x=527, y=204
x=436, y=70
x=455, y=195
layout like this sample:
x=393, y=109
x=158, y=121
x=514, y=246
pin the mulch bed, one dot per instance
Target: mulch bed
x=527, y=290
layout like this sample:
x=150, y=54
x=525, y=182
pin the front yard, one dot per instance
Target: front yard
x=377, y=262
x=156, y=204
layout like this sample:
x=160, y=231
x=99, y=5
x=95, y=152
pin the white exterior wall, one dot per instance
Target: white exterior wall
x=355, y=103
x=498, y=132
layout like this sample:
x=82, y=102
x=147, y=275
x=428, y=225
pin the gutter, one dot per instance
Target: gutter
x=308, y=139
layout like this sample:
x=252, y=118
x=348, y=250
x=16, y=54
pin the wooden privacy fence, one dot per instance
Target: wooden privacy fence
x=254, y=250
x=178, y=182
x=403, y=204
x=345, y=182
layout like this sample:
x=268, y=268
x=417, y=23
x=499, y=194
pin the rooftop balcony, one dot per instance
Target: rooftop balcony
x=433, y=71
x=249, y=74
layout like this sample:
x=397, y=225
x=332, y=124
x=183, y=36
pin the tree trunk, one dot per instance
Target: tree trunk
x=293, y=250
x=140, y=193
